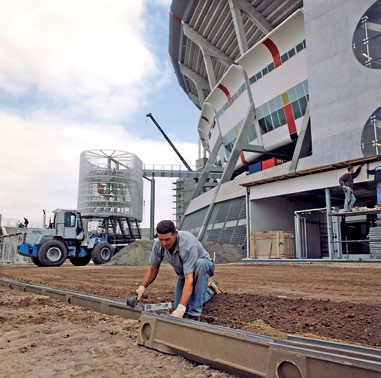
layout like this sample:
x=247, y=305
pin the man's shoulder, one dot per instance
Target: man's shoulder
x=187, y=235
x=156, y=247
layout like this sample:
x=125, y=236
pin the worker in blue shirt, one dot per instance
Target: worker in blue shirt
x=377, y=179
x=193, y=267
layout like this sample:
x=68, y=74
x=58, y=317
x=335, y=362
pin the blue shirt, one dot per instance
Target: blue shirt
x=183, y=259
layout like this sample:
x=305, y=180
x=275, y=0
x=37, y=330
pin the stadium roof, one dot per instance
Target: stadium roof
x=210, y=22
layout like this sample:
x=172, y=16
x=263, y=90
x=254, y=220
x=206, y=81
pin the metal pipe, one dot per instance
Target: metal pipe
x=248, y=222
x=152, y=208
x=305, y=249
x=169, y=141
x=297, y=236
x=329, y=221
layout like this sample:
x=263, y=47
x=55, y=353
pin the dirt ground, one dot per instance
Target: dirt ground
x=334, y=301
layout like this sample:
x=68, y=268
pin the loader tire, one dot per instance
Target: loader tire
x=52, y=253
x=36, y=261
x=102, y=253
x=80, y=261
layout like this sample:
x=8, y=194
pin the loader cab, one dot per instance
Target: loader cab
x=68, y=224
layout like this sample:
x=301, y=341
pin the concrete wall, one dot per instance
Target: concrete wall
x=343, y=93
x=272, y=214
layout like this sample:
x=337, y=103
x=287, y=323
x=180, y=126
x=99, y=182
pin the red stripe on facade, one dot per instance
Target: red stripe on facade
x=274, y=51
x=227, y=93
x=290, y=118
x=205, y=119
x=243, y=157
x=173, y=59
x=178, y=19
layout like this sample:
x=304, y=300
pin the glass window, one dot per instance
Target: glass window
x=69, y=220
x=299, y=47
x=371, y=135
x=253, y=79
x=270, y=67
x=305, y=85
x=275, y=120
x=300, y=90
x=272, y=105
x=265, y=108
x=278, y=102
x=292, y=94
x=303, y=104
x=282, y=117
x=291, y=53
x=304, y=43
x=296, y=109
x=284, y=57
x=262, y=126
x=265, y=71
x=259, y=111
x=258, y=75
x=269, y=124
x=366, y=41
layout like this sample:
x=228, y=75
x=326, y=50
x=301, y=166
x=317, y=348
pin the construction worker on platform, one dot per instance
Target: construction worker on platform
x=346, y=182
x=193, y=267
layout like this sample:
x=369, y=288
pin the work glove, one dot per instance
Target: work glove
x=179, y=312
x=140, y=291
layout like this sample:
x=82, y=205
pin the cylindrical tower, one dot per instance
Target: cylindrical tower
x=110, y=184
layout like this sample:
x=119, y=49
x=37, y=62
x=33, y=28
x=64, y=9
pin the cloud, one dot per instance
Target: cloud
x=72, y=75
x=87, y=59
x=40, y=163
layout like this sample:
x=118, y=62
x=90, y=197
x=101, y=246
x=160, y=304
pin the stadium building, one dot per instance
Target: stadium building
x=289, y=94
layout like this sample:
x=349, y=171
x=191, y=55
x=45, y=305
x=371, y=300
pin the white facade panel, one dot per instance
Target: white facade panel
x=343, y=92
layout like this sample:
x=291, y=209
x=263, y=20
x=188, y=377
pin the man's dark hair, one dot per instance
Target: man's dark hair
x=165, y=227
x=350, y=166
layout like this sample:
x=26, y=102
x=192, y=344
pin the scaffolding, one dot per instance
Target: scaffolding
x=110, y=184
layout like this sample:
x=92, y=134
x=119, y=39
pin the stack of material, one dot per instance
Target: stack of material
x=272, y=244
x=375, y=242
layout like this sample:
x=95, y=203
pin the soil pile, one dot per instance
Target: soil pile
x=138, y=253
x=134, y=254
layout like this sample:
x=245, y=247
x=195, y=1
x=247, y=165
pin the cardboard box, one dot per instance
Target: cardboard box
x=272, y=244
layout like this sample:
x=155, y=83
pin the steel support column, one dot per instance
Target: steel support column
x=329, y=221
x=208, y=50
x=238, y=26
x=254, y=15
x=248, y=220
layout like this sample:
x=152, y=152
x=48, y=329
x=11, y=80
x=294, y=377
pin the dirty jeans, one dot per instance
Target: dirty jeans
x=201, y=292
x=350, y=198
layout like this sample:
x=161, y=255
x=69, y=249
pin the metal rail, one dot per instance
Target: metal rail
x=238, y=352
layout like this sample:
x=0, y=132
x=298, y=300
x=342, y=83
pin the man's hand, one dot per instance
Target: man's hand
x=179, y=312
x=140, y=291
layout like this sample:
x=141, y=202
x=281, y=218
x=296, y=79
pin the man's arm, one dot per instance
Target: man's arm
x=356, y=173
x=187, y=293
x=187, y=289
x=148, y=279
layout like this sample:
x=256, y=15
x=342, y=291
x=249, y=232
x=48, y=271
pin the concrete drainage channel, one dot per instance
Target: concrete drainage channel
x=238, y=352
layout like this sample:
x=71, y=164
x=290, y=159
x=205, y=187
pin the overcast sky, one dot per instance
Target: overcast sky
x=77, y=75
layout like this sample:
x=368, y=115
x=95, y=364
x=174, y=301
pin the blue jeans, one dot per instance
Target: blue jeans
x=378, y=193
x=201, y=292
x=350, y=198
